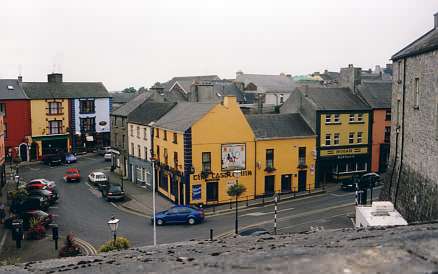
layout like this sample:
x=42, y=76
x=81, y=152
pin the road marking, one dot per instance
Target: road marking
x=85, y=157
x=129, y=211
x=87, y=246
x=325, y=220
x=342, y=195
x=257, y=214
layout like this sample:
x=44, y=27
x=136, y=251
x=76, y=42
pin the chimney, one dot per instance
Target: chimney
x=54, y=78
x=239, y=73
x=350, y=77
x=325, y=71
x=436, y=20
x=20, y=79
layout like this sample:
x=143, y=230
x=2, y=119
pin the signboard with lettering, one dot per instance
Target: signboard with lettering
x=196, y=192
x=216, y=176
x=342, y=152
x=233, y=157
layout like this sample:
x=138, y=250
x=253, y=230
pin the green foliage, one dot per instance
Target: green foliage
x=236, y=190
x=34, y=221
x=70, y=248
x=129, y=90
x=10, y=261
x=121, y=243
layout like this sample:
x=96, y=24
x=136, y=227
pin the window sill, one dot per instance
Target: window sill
x=334, y=123
x=54, y=114
x=93, y=112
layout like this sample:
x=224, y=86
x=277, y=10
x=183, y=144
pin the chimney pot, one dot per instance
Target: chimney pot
x=20, y=78
x=435, y=20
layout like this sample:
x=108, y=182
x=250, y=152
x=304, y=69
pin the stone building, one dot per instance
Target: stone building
x=413, y=173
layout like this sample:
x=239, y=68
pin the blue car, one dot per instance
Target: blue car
x=70, y=158
x=179, y=214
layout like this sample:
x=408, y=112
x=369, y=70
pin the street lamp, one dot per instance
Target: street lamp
x=153, y=202
x=113, y=225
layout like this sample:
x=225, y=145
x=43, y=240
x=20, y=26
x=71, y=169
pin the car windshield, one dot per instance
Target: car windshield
x=100, y=177
x=71, y=172
x=115, y=189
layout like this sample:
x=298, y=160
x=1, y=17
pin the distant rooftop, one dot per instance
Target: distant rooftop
x=268, y=83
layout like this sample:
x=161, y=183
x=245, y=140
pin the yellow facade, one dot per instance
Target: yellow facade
x=286, y=164
x=344, y=127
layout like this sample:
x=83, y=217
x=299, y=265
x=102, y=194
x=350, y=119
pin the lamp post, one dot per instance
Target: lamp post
x=153, y=202
x=237, y=175
x=17, y=181
x=113, y=225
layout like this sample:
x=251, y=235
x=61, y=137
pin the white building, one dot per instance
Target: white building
x=378, y=214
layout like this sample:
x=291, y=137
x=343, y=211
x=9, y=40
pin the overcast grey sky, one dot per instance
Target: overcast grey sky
x=138, y=42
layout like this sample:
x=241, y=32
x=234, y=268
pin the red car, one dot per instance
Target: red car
x=72, y=174
x=41, y=184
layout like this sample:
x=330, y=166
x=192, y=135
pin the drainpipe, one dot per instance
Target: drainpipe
x=255, y=168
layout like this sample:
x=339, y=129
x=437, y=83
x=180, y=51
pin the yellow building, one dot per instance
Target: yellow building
x=285, y=153
x=202, y=149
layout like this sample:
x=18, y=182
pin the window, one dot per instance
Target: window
x=145, y=134
x=132, y=130
x=360, y=117
x=328, y=119
x=145, y=153
x=359, y=137
x=206, y=161
x=139, y=174
x=138, y=151
x=175, y=138
x=281, y=98
x=417, y=93
x=87, y=124
x=55, y=108
x=302, y=156
x=175, y=159
x=138, y=132
x=86, y=106
x=158, y=153
x=116, y=141
x=3, y=109
x=351, y=119
x=328, y=139
x=336, y=118
x=165, y=135
x=336, y=139
x=123, y=141
x=388, y=115
x=351, y=138
x=269, y=158
x=157, y=131
x=399, y=74
x=55, y=127
x=132, y=149
x=166, y=156
x=123, y=122
x=398, y=112
x=387, y=134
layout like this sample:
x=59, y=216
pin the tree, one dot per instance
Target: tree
x=129, y=90
x=235, y=191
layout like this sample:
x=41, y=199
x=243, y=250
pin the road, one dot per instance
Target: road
x=83, y=212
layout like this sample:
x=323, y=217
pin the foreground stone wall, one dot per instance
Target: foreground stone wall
x=409, y=249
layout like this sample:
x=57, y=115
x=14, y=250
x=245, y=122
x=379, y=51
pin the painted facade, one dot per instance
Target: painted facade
x=381, y=138
x=2, y=148
x=140, y=145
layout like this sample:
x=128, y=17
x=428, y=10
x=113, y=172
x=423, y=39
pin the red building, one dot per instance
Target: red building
x=17, y=120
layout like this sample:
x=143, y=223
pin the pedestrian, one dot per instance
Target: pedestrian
x=2, y=213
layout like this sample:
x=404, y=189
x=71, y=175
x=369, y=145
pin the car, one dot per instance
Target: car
x=51, y=196
x=104, y=150
x=70, y=158
x=53, y=159
x=72, y=174
x=30, y=203
x=98, y=178
x=107, y=157
x=179, y=214
x=50, y=184
x=254, y=231
x=113, y=192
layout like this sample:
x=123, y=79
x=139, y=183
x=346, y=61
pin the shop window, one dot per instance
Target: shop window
x=269, y=158
x=328, y=139
x=361, y=166
x=139, y=174
x=359, y=137
x=342, y=167
x=387, y=135
x=164, y=183
x=206, y=161
x=86, y=106
x=55, y=108
x=351, y=138
x=55, y=127
x=336, y=139
x=175, y=138
x=336, y=119
x=328, y=119
x=388, y=115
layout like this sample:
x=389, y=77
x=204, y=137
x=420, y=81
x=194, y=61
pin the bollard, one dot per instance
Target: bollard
x=231, y=204
x=55, y=235
x=211, y=234
x=246, y=201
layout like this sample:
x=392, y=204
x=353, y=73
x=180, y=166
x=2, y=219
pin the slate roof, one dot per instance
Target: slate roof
x=182, y=116
x=11, y=94
x=376, y=93
x=148, y=112
x=121, y=97
x=226, y=88
x=333, y=98
x=132, y=104
x=427, y=42
x=276, y=126
x=186, y=81
x=269, y=83
x=65, y=90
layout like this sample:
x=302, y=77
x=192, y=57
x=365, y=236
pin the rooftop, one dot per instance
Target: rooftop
x=11, y=89
x=376, y=93
x=148, y=112
x=65, y=90
x=132, y=104
x=268, y=83
x=277, y=126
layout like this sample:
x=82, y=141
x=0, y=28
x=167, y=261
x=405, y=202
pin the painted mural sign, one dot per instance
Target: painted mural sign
x=214, y=176
x=196, y=192
x=233, y=156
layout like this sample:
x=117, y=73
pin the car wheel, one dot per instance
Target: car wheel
x=160, y=222
x=191, y=221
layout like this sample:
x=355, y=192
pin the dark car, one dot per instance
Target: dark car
x=180, y=214
x=53, y=159
x=30, y=203
x=254, y=231
x=70, y=158
x=51, y=196
x=113, y=192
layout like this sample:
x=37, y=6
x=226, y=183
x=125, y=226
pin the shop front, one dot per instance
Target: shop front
x=46, y=145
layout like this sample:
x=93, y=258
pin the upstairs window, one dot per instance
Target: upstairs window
x=206, y=161
x=328, y=118
x=417, y=93
x=138, y=132
x=388, y=115
x=336, y=119
x=360, y=117
x=387, y=135
x=157, y=133
x=158, y=153
x=138, y=151
x=175, y=159
x=328, y=139
x=351, y=118
x=145, y=134
x=269, y=158
x=88, y=124
x=145, y=153
x=359, y=137
x=281, y=98
x=175, y=138
x=132, y=130
x=86, y=106
x=55, y=127
x=55, y=108
x=166, y=156
x=351, y=138
x=336, y=139
x=302, y=156
x=132, y=149
x=165, y=135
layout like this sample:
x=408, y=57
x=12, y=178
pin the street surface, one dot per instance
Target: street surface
x=81, y=210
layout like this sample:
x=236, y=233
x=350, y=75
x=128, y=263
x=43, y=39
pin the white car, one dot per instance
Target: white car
x=49, y=184
x=107, y=156
x=97, y=178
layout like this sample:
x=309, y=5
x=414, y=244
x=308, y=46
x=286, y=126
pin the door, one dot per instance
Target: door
x=302, y=178
x=286, y=183
x=269, y=184
x=212, y=192
x=23, y=152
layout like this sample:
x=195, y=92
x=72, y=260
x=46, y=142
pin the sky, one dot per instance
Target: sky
x=139, y=42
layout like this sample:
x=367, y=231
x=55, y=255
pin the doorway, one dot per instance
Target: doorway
x=269, y=184
x=302, y=178
x=23, y=152
x=286, y=183
x=212, y=191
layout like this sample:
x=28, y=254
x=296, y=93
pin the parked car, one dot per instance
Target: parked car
x=371, y=179
x=51, y=196
x=70, y=158
x=98, y=179
x=180, y=214
x=254, y=231
x=30, y=203
x=72, y=174
x=107, y=157
x=113, y=192
x=44, y=218
x=50, y=184
x=104, y=150
x=53, y=159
